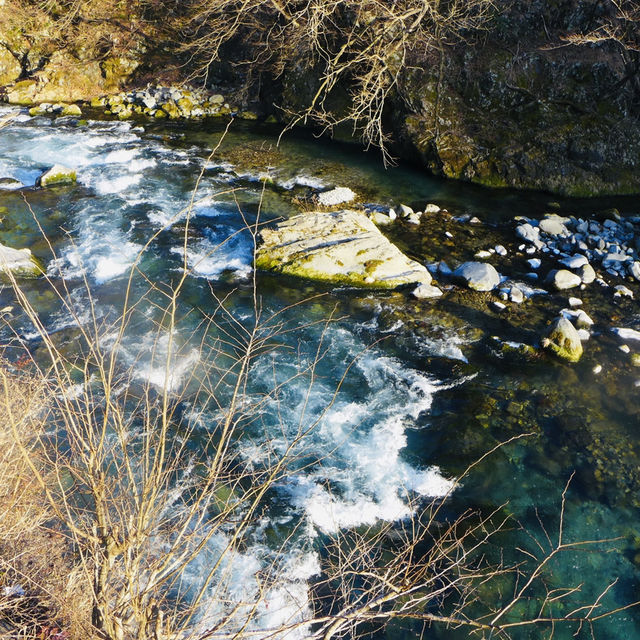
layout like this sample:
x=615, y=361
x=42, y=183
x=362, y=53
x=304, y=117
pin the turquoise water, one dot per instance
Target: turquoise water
x=426, y=393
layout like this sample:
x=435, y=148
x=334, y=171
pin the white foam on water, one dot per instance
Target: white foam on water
x=208, y=258
x=161, y=360
x=101, y=251
x=361, y=475
x=303, y=180
x=238, y=594
x=116, y=263
x=118, y=184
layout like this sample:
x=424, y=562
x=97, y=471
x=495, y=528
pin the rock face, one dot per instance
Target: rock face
x=57, y=175
x=478, y=275
x=563, y=340
x=9, y=67
x=521, y=113
x=64, y=78
x=18, y=261
x=343, y=247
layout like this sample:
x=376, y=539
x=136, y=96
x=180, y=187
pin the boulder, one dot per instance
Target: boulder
x=529, y=233
x=563, y=340
x=626, y=333
x=342, y=247
x=57, y=175
x=587, y=274
x=478, y=275
x=563, y=279
x=380, y=219
x=19, y=262
x=575, y=261
x=553, y=226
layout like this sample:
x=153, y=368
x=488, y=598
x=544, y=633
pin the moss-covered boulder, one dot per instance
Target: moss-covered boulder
x=18, y=262
x=563, y=340
x=343, y=247
x=57, y=175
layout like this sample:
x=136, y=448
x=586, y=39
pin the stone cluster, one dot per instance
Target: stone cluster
x=55, y=109
x=580, y=246
x=169, y=102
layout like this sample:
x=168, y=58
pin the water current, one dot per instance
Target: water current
x=424, y=393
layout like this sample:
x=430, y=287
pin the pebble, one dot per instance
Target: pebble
x=534, y=263
x=624, y=348
x=597, y=369
x=575, y=302
x=621, y=290
x=500, y=250
x=584, y=335
x=516, y=295
x=574, y=262
x=483, y=254
x=500, y=306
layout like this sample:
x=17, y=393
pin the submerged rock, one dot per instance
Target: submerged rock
x=57, y=175
x=424, y=291
x=563, y=340
x=479, y=276
x=336, y=196
x=343, y=247
x=19, y=262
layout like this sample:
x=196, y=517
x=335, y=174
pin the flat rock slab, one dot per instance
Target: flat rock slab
x=343, y=247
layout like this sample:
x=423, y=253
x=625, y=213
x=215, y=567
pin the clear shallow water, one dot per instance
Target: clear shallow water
x=424, y=395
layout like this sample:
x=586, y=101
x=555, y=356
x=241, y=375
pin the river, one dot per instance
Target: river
x=424, y=394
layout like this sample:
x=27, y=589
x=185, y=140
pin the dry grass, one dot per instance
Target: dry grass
x=36, y=556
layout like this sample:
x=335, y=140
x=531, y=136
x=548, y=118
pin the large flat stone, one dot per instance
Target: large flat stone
x=343, y=247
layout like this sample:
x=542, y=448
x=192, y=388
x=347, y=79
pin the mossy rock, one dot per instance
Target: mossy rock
x=57, y=175
x=563, y=340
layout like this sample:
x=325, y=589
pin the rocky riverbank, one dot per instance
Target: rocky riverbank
x=540, y=264
x=513, y=106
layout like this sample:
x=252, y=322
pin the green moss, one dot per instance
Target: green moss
x=370, y=266
x=297, y=268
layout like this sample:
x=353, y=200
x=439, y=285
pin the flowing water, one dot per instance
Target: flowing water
x=425, y=392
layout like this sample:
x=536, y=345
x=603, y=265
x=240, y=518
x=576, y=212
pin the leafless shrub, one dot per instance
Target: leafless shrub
x=360, y=47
